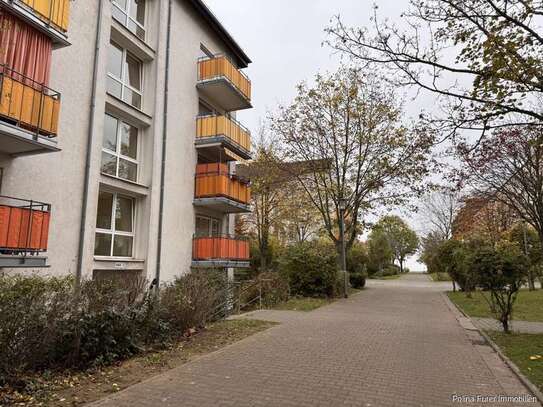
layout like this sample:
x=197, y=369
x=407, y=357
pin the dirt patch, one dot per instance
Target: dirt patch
x=76, y=388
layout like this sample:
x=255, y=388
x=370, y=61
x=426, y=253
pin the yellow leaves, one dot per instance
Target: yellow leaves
x=536, y=357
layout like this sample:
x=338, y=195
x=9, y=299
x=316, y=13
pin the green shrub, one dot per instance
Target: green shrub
x=188, y=302
x=357, y=259
x=456, y=260
x=311, y=269
x=31, y=314
x=357, y=280
x=42, y=326
x=273, y=287
x=501, y=271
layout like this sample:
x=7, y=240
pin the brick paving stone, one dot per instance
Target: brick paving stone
x=397, y=343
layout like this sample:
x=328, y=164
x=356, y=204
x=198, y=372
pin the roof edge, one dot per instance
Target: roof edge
x=242, y=58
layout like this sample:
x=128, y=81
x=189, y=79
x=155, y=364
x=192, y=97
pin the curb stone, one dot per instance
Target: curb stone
x=525, y=381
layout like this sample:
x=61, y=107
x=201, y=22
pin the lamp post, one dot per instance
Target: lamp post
x=342, y=207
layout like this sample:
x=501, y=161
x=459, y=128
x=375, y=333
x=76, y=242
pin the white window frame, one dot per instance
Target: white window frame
x=128, y=17
x=113, y=232
x=118, y=155
x=123, y=77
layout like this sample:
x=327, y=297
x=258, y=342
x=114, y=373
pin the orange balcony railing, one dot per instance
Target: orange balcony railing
x=223, y=247
x=220, y=66
x=24, y=225
x=52, y=12
x=28, y=104
x=215, y=126
x=213, y=180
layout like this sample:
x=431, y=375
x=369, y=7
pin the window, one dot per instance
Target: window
x=120, y=149
x=114, y=225
x=124, y=75
x=131, y=14
x=207, y=226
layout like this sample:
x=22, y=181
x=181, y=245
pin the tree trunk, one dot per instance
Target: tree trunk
x=505, y=324
x=401, y=265
x=531, y=279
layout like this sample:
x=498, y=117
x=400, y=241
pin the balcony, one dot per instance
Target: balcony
x=29, y=114
x=216, y=189
x=218, y=136
x=48, y=16
x=220, y=251
x=221, y=81
x=24, y=232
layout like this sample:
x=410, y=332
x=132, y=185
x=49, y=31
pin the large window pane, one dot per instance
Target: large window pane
x=102, y=244
x=114, y=87
x=132, y=98
x=128, y=170
x=137, y=11
x=202, y=226
x=133, y=71
x=122, y=246
x=129, y=141
x=115, y=60
x=123, y=214
x=118, y=15
x=109, y=164
x=105, y=207
x=110, y=133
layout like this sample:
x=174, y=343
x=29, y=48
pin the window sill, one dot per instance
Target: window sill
x=133, y=115
x=124, y=185
x=131, y=41
x=118, y=259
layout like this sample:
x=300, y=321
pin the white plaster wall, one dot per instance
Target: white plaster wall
x=57, y=178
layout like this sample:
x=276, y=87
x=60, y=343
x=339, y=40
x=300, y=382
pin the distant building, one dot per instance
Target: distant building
x=484, y=218
x=120, y=116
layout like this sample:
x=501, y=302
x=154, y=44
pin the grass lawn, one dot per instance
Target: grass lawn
x=303, y=304
x=71, y=388
x=525, y=350
x=528, y=307
x=440, y=277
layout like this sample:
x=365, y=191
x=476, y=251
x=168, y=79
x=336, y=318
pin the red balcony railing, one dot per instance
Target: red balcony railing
x=213, y=180
x=221, y=247
x=24, y=225
x=27, y=103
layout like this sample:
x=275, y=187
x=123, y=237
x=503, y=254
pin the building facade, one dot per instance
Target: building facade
x=133, y=154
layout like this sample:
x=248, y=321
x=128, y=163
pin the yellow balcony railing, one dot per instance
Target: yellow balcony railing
x=221, y=67
x=215, y=126
x=54, y=12
x=213, y=180
x=28, y=104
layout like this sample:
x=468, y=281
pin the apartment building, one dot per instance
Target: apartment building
x=127, y=166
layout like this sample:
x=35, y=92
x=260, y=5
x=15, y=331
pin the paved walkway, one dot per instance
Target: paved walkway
x=397, y=343
x=525, y=327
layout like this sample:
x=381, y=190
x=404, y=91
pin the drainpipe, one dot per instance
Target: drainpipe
x=90, y=134
x=164, y=140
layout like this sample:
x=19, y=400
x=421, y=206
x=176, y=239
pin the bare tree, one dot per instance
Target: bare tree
x=439, y=209
x=351, y=121
x=495, y=70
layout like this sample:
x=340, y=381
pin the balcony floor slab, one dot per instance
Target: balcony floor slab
x=15, y=141
x=224, y=93
x=222, y=204
x=214, y=147
x=14, y=261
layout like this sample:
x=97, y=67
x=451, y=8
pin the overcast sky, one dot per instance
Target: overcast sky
x=284, y=40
